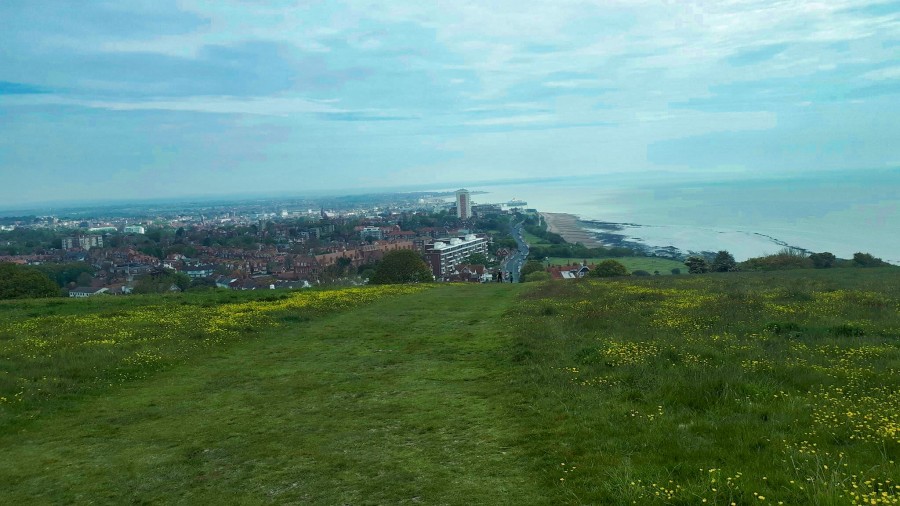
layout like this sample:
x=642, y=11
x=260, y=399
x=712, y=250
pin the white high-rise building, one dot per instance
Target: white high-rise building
x=463, y=204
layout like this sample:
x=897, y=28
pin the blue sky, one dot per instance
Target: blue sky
x=162, y=98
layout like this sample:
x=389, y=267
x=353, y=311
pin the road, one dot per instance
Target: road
x=514, y=262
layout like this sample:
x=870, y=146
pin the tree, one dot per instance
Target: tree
x=824, y=260
x=532, y=266
x=609, y=269
x=476, y=259
x=697, y=265
x=17, y=282
x=867, y=260
x=676, y=271
x=163, y=282
x=401, y=266
x=536, y=276
x=723, y=262
x=84, y=279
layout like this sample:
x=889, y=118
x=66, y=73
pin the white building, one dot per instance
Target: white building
x=445, y=254
x=134, y=229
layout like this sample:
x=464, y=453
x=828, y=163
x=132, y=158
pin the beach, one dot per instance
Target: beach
x=568, y=226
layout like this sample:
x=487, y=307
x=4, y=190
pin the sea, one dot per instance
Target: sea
x=842, y=212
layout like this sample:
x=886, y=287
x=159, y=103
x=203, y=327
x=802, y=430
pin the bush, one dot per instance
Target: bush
x=609, y=269
x=724, y=262
x=640, y=273
x=787, y=258
x=17, y=282
x=867, y=260
x=822, y=260
x=536, y=276
x=401, y=266
x=532, y=266
x=696, y=265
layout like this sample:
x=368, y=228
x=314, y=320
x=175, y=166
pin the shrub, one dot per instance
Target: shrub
x=608, y=269
x=822, y=260
x=401, y=266
x=867, y=260
x=536, y=276
x=724, y=262
x=17, y=282
x=696, y=265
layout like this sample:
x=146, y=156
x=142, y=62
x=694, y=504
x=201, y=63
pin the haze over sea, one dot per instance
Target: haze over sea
x=841, y=211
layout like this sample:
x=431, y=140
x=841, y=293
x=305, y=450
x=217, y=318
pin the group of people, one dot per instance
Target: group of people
x=501, y=276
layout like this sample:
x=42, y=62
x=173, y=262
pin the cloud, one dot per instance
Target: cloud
x=356, y=84
x=8, y=88
x=756, y=55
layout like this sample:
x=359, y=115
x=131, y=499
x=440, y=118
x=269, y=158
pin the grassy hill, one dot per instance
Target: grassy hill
x=735, y=388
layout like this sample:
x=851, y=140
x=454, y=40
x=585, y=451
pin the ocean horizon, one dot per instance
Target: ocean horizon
x=842, y=212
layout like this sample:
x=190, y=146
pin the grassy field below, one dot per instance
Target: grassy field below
x=649, y=264
x=735, y=388
x=534, y=240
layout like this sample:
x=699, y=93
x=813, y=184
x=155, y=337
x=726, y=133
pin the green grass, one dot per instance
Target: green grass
x=662, y=390
x=534, y=240
x=397, y=401
x=649, y=264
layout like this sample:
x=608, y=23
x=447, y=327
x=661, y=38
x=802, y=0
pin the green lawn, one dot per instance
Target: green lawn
x=397, y=401
x=746, y=388
x=649, y=264
x=534, y=240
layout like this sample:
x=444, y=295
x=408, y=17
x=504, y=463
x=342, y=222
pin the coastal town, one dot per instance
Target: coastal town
x=258, y=246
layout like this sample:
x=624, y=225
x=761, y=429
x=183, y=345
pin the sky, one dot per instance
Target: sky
x=131, y=99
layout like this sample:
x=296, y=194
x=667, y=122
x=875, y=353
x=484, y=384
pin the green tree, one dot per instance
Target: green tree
x=867, y=260
x=401, y=266
x=696, y=265
x=532, y=266
x=723, y=262
x=609, y=269
x=536, y=276
x=824, y=260
x=17, y=282
x=476, y=259
x=163, y=283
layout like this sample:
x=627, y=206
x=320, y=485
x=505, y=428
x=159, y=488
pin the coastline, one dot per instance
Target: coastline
x=594, y=233
x=568, y=226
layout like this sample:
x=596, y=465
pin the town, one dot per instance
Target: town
x=262, y=245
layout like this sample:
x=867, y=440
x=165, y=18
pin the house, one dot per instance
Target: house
x=471, y=273
x=86, y=291
x=568, y=272
x=199, y=271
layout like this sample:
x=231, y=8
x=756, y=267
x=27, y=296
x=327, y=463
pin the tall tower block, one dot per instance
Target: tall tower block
x=463, y=204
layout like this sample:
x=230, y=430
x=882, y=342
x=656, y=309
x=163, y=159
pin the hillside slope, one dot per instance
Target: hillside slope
x=734, y=388
x=396, y=401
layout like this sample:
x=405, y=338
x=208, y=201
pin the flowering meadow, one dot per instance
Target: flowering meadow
x=53, y=351
x=717, y=389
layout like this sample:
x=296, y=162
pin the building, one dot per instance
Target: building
x=445, y=254
x=83, y=291
x=83, y=242
x=463, y=204
x=199, y=271
x=373, y=232
x=134, y=229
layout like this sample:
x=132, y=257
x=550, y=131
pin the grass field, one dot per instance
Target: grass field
x=649, y=264
x=534, y=240
x=740, y=388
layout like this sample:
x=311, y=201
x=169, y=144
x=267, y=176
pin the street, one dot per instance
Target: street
x=514, y=262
